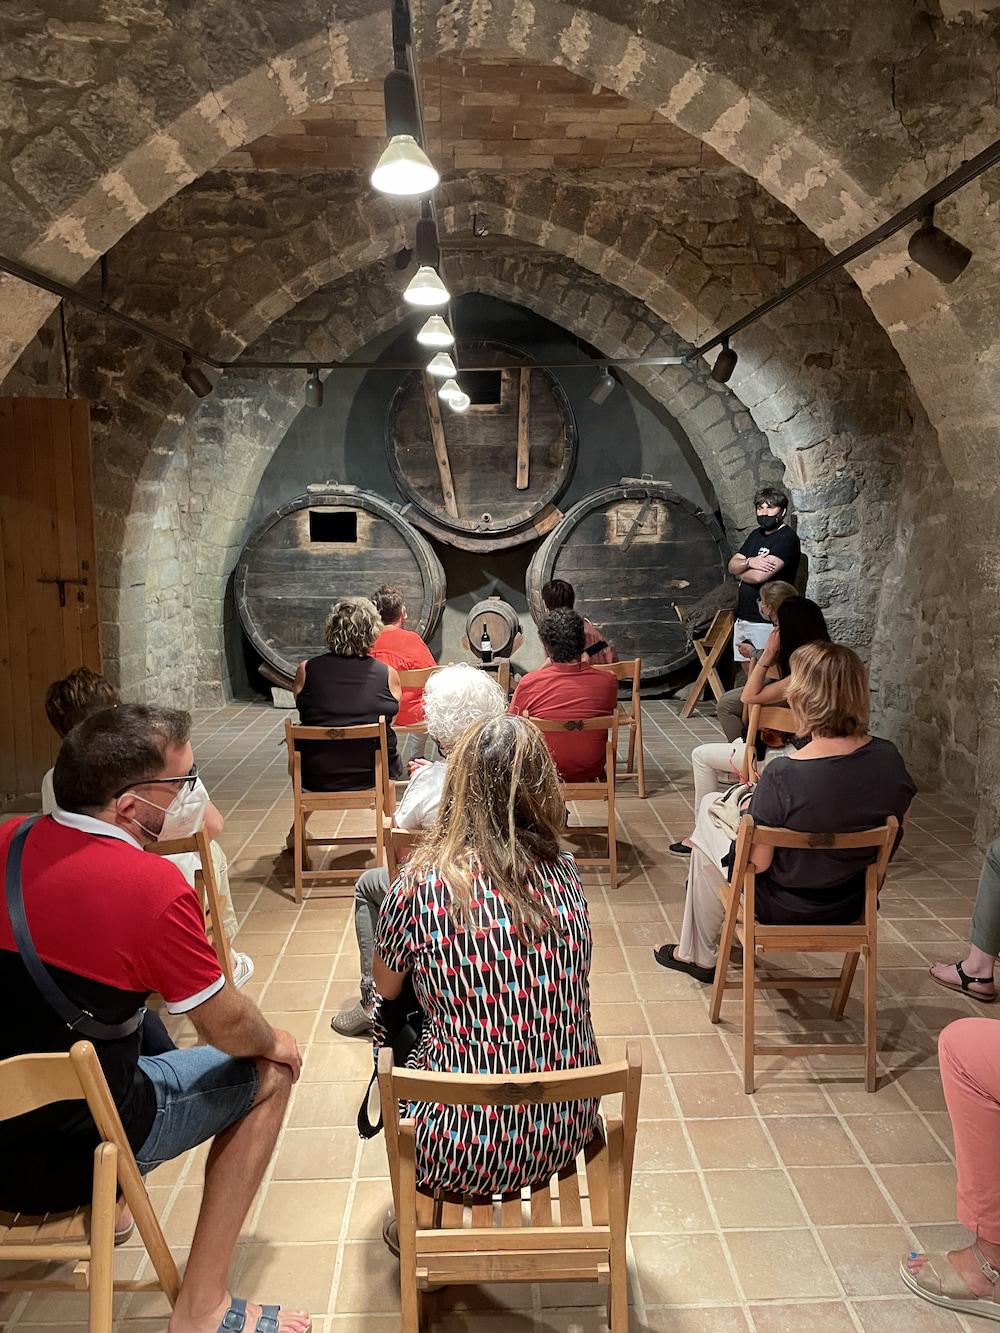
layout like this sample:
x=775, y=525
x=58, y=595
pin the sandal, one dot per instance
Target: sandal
x=235, y=1318
x=666, y=956
x=950, y=1292
x=967, y=981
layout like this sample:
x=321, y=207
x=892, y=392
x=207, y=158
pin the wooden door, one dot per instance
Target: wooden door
x=48, y=575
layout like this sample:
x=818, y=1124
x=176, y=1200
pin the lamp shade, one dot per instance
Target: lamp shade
x=459, y=402
x=449, y=389
x=436, y=333
x=404, y=168
x=441, y=365
x=426, y=289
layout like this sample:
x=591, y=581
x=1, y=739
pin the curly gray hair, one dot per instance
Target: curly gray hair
x=352, y=627
x=458, y=696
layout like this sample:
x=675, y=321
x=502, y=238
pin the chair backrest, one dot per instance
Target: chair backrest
x=417, y=678
x=764, y=718
x=720, y=628
x=398, y=840
x=29, y=1082
x=630, y=671
x=371, y=731
x=609, y=725
x=882, y=838
x=205, y=880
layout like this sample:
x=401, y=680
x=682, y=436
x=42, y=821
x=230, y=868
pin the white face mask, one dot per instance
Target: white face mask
x=183, y=816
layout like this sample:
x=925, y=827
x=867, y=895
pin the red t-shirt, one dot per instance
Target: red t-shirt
x=113, y=923
x=406, y=651
x=570, y=690
x=592, y=635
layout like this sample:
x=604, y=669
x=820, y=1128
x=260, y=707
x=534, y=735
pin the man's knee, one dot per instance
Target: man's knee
x=275, y=1082
x=371, y=885
x=993, y=857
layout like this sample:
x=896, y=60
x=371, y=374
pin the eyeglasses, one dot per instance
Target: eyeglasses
x=190, y=779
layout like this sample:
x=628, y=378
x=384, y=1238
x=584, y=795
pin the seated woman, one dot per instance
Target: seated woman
x=346, y=687
x=798, y=621
x=455, y=698
x=491, y=920
x=729, y=709
x=843, y=780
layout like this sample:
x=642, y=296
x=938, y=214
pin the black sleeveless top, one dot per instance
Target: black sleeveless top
x=344, y=692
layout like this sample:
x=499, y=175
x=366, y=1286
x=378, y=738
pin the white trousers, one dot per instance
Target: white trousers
x=703, y=909
x=708, y=761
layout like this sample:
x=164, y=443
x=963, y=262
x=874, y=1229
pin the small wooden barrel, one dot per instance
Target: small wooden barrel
x=632, y=551
x=485, y=479
x=333, y=542
x=500, y=621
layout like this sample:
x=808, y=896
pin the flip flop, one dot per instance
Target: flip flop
x=666, y=956
x=235, y=1318
x=950, y=1292
x=965, y=982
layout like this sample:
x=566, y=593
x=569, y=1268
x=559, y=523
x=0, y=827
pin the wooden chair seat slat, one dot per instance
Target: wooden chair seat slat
x=570, y=1211
x=511, y=1211
x=541, y=1205
x=596, y=1157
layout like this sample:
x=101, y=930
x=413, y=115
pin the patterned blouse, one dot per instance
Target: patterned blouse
x=494, y=1004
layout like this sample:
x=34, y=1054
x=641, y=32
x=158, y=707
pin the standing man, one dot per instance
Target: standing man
x=770, y=552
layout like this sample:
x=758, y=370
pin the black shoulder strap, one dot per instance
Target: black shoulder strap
x=596, y=648
x=75, y=1018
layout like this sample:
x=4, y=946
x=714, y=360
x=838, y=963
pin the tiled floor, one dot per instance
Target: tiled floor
x=777, y=1212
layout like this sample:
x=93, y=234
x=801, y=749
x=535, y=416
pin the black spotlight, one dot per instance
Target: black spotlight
x=195, y=378
x=937, y=252
x=314, y=389
x=426, y=244
x=400, y=97
x=603, y=387
x=725, y=364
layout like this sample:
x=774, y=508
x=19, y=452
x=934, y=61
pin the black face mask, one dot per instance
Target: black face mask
x=768, y=522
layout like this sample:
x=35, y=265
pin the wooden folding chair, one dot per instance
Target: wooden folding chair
x=397, y=841
x=87, y=1235
x=415, y=680
x=853, y=941
x=770, y=718
x=446, y=1241
x=499, y=667
x=378, y=797
x=630, y=715
x=601, y=790
x=207, y=887
x=708, y=650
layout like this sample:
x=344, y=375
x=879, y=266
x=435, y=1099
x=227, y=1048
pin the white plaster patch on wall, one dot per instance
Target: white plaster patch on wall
x=730, y=125
x=448, y=24
x=479, y=16
x=574, y=41
x=630, y=66
x=71, y=232
x=522, y=20
x=167, y=151
x=121, y=191
x=880, y=268
x=231, y=129
x=687, y=87
x=293, y=87
x=340, y=64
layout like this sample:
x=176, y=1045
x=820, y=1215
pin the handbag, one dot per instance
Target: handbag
x=399, y=1024
x=725, y=813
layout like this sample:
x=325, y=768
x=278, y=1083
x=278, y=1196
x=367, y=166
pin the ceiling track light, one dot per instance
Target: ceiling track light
x=314, y=389
x=449, y=389
x=426, y=246
x=725, y=364
x=459, y=402
x=603, y=388
x=195, y=378
x=426, y=289
x=404, y=169
x=937, y=252
x=442, y=366
x=435, y=333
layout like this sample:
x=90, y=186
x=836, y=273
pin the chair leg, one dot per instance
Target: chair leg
x=298, y=850
x=871, y=1017
x=630, y=762
x=102, y=1241
x=749, y=1036
x=696, y=691
x=618, y=1293
x=640, y=756
x=843, y=991
x=722, y=962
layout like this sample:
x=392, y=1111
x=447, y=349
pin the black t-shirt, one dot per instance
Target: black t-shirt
x=783, y=544
x=345, y=692
x=841, y=794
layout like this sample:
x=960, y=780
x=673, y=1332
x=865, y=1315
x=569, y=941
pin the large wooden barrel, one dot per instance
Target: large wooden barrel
x=332, y=542
x=485, y=479
x=501, y=623
x=631, y=551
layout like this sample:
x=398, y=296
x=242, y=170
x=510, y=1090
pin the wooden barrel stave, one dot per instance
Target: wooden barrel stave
x=632, y=551
x=286, y=582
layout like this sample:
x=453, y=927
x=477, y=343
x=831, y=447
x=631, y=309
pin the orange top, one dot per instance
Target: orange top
x=406, y=651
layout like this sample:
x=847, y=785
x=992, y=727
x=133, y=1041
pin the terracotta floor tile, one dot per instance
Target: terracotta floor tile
x=730, y=1144
x=667, y=1202
x=909, y=1313
x=753, y=1199
x=811, y=1141
x=711, y=1096
x=778, y=1265
x=866, y=1258
x=296, y=1276
x=302, y=1210
x=895, y=1139
x=711, y=1319
x=815, y=1316
x=680, y=1270
x=661, y=1146
x=841, y=1195
x=306, y=1155
x=923, y=1194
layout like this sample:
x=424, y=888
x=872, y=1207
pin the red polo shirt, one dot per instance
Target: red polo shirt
x=406, y=651
x=565, y=690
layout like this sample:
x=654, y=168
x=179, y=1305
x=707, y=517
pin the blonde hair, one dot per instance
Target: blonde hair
x=774, y=593
x=828, y=690
x=500, y=816
x=458, y=696
x=352, y=627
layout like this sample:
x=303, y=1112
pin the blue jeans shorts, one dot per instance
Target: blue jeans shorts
x=199, y=1092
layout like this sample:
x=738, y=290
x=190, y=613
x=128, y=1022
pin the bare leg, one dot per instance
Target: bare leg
x=235, y=1167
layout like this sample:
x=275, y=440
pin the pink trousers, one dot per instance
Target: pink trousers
x=970, y=1072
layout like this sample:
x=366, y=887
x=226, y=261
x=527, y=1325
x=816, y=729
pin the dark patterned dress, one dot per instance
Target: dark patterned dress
x=494, y=1004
